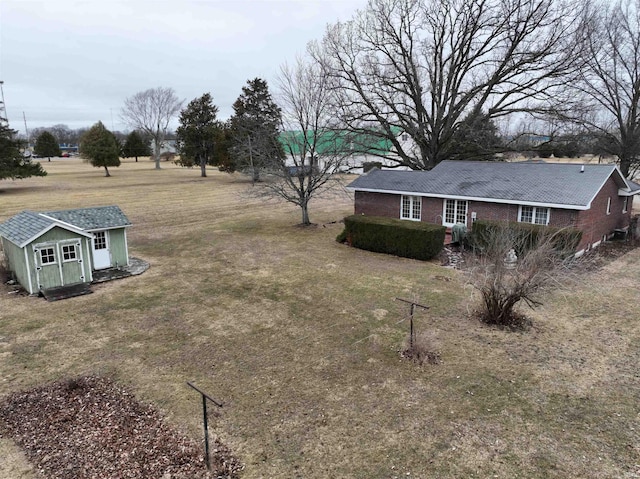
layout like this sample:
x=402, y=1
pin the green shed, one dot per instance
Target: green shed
x=63, y=248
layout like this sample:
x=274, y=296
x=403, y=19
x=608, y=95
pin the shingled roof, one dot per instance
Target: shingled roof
x=22, y=228
x=90, y=219
x=566, y=185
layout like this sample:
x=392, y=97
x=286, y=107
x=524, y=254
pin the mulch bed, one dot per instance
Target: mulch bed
x=90, y=427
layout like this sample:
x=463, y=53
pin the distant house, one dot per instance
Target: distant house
x=596, y=199
x=62, y=248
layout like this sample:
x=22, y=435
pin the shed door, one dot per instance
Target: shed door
x=101, y=253
x=48, y=267
x=72, y=262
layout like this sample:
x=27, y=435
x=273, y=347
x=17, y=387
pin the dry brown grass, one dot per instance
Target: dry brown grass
x=299, y=337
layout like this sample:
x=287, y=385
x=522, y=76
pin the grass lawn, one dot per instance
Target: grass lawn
x=299, y=337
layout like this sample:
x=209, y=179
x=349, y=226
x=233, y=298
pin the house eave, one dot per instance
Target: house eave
x=56, y=223
x=625, y=192
x=475, y=198
x=107, y=228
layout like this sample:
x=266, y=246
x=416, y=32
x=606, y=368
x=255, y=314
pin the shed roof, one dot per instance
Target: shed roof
x=91, y=219
x=24, y=227
x=565, y=185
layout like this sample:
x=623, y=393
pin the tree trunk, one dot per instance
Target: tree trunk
x=157, y=153
x=203, y=167
x=305, y=214
x=107, y=171
x=49, y=158
x=625, y=165
x=136, y=159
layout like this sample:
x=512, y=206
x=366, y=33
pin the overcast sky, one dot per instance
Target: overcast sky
x=75, y=62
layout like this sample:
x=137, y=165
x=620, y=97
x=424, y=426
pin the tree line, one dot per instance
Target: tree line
x=441, y=74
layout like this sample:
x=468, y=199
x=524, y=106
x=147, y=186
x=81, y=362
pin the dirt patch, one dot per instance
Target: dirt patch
x=91, y=428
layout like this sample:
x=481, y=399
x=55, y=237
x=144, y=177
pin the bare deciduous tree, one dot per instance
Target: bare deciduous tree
x=607, y=92
x=313, y=149
x=151, y=111
x=420, y=66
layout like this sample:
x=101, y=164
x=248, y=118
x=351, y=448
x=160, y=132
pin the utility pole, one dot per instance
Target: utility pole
x=4, y=121
x=26, y=130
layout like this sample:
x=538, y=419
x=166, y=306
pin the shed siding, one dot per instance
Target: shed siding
x=118, y=247
x=16, y=263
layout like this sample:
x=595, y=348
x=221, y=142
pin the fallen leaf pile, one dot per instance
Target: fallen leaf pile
x=90, y=427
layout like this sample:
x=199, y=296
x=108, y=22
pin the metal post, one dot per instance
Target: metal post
x=205, y=421
x=206, y=432
x=412, y=333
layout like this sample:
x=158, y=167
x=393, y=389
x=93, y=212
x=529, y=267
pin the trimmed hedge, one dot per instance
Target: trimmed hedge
x=527, y=235
x=409, y=239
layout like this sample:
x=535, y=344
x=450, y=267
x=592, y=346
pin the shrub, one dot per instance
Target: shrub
x=543, y=254
x=525, y=236
x=369, y=165
x=409, y=239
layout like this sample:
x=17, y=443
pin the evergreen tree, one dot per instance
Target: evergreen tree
x=99, y=147
x=135, y=146
x=13, y=164
x=47, y=145
x=197, y=133
x=476, y=138
x=254, y=130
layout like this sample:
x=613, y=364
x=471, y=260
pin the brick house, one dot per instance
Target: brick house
x=596, y=199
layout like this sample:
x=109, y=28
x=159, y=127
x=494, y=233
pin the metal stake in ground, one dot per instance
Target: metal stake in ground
x=205, y=396
x=412, y=334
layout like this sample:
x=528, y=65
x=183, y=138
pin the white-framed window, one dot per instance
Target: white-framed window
x=625, y=204
x=100, y=240
x=47, y=255
x=411, y=208
x=534, y=215
x=609, y=205
x=455, y=211
x=69, y=252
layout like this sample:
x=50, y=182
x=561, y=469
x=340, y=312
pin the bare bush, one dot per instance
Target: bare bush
x=514, y=268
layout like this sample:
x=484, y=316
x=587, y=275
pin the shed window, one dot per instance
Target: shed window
x=411, y=208
x=69, y=252
x=47, y=256
x=455, y=211
x=609, y=205
x=100, y=240
x=534, y=215
x=625, y=204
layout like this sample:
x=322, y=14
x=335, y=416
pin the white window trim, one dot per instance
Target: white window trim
x=625, y=204
x=106, y=239
x=534, y=214
x=48, y=263
x=412, y=199
x=609, y=205
x=75, y=248
x=444, y=211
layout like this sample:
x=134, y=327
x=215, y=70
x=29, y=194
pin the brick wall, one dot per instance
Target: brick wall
x=594, y=223
x=377, y=204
